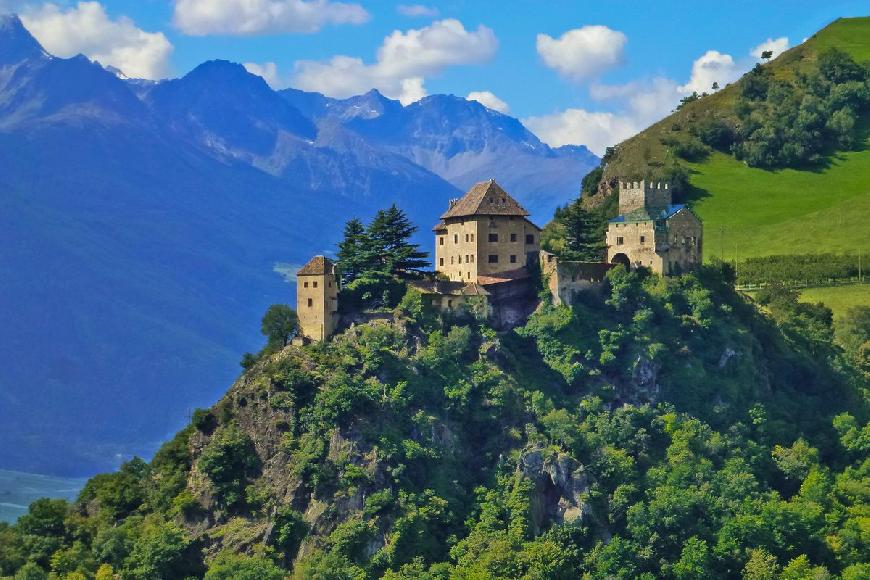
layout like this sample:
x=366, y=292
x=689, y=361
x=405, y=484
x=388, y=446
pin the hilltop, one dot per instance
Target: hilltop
x=657, y=428
x=814, y=207
x=156, y=219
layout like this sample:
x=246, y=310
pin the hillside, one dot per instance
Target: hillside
x=147, y=227
x=660, y=428
x=748, y=211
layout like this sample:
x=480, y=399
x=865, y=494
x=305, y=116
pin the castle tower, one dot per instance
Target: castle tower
x=643, y=195
x=653, y=232
x=317, y=299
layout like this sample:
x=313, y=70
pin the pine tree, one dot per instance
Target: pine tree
x=583, y=240
x=354, y=252
x=389, y=235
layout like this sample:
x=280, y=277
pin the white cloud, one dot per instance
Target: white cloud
x=777, y=46
x=247, y=17
x=488, y=99
x=582, y=53
x=417, y=10
x=269, y=72
x=87, y=29
x=403, y=61
x=712, y=67
x=596, y=130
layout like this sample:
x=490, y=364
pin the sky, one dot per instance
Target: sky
x=575, y=72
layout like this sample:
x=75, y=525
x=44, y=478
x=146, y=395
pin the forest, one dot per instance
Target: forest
x=658, y=428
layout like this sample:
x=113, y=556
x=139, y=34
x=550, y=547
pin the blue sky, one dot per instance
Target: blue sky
x=626, y=64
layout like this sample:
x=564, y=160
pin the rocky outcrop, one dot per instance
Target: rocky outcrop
x=561, y=485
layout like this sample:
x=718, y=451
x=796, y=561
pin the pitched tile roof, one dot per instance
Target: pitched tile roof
x=449, y=288
x=316, y=266
x=485, y=198
x=506, y=276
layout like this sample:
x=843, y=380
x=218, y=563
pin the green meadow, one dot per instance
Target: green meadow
x=839, y=298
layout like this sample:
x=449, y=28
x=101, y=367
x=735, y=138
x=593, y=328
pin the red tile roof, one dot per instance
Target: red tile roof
x=316, y=266
x=485, y=198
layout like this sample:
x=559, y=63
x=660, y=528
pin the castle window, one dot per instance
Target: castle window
x=466, y=237
x=493, y=259
x=493, y=237
x=619, y=240
x=330, y=284
x=310, y=303
x=513, y=237
x=472, y=237
x=451, y=260
x=472, y=258
x=450, y=304
x=306, y=284
x=441, y=241
x=314, y=284
x=530, y=239
x=455, y=238
x=469, y=275
x=440, y=261
x=642, y=239
x=513, y=259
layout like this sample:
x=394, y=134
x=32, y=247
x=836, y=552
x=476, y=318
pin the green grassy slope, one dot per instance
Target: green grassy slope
x=838, y=298
x=754, y=212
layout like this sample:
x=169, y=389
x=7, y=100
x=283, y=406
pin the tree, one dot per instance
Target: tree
x=581, y=230
x=389, y=233
x=279, y=325
x=715, y=86
x=354, y=254
x=767, y=54
x=230, y=566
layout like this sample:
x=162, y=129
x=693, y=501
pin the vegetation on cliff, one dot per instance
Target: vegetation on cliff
x=659, y=428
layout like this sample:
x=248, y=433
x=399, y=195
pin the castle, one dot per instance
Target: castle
x=652, y=231
x=485, y=246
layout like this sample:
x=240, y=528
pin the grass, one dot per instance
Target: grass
x=753, y=212
x=838, y=298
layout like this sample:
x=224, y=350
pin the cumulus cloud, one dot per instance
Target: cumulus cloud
x=712, y=67
x=488, y=99
x=417, y=10
x=268, y=71
x=776, y=46
x=582, y=53
x=403, y=61
x=248, y=17
x=596, y=130
x=87, y=29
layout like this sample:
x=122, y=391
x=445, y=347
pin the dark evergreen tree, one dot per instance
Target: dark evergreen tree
x=354, y=252
x=583, y=235
x=389, y=234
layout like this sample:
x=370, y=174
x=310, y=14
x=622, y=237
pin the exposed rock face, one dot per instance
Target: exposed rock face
x=643, y=387
x=726, y=357
x=561, y=485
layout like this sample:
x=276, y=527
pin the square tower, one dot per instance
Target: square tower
x=643, y=195
x=317, y=299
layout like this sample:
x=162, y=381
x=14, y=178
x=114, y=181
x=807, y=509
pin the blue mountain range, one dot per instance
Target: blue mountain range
x=144, y=227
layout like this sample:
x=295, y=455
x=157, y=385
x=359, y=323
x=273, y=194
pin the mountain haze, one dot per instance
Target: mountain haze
x=144, y=223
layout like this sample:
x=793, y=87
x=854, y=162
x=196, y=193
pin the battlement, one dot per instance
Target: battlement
x=637, y=195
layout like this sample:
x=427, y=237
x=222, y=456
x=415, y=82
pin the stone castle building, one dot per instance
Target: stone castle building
x=485, y=232
x=317, y=299
x=653, y=232
x=485, y=243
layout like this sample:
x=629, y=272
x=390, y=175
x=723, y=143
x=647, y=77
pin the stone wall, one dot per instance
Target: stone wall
x=567, y=279
x=638, y=195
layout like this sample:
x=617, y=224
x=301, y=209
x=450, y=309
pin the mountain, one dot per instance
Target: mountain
x=146, y=224
x=817, y=205
x=461, y=141
x=657, y=428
